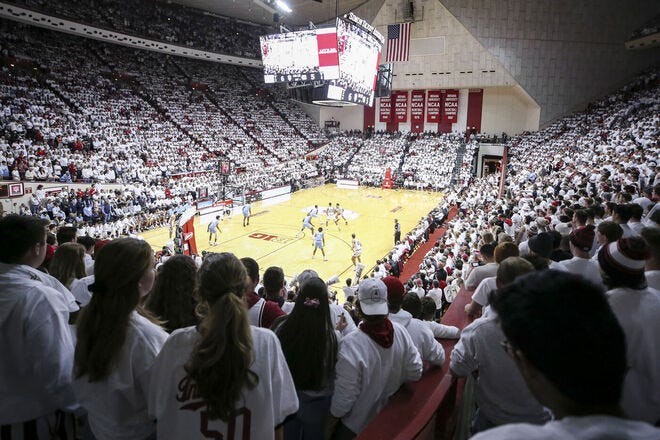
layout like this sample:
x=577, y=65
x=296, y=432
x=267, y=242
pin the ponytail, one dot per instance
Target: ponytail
x=220, y=362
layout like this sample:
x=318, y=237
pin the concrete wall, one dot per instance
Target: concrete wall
x=510, y=110
x=443, y=53
x=563, y=53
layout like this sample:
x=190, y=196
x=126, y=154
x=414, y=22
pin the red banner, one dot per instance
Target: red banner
x=433, y=106
x=385, y=110
x=417, y=98
x=400, y=106
x=451, y=106
x=326, y=40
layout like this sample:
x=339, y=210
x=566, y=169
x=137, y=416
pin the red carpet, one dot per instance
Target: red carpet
x=411, y=266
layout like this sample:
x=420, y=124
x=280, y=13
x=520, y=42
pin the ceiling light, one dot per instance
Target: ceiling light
x=283, y=6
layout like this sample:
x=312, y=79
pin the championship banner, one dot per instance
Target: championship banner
x=433, y=104
x=400, y=106
x=451, y=106
x=417, y=98
x=385, y=110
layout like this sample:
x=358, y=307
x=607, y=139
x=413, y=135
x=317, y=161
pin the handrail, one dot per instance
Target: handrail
x=421, y=410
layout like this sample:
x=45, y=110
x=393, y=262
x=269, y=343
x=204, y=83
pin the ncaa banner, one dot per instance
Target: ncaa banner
x=385, y=109
x=450, y=106
x=417, y=98
x=326, y=41
x=433, y=103
x=400, y=106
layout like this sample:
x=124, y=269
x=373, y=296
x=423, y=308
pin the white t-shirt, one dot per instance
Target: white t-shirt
x=638, y=312
x=578, y=428
x=480, y=273
x=501, y=392
x=436, y=295
x=116, y=406
x=180, y=413
x=367, y=374
x=586, y=267
x=480, y=295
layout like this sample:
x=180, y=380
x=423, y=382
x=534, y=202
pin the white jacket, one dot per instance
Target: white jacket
x=367, y=374
x=429, y=349
x=36, y=346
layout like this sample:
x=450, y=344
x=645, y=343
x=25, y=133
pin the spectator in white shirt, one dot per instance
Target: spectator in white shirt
x=116, y=346
x=652, y=268
x=539, y=315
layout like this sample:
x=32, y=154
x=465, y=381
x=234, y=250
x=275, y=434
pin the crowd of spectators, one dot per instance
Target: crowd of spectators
x=135, y=115
x=161, y=21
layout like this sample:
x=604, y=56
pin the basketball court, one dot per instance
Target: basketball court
x=271, y=238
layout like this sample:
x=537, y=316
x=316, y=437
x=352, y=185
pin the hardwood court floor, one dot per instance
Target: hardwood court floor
x=271, y=236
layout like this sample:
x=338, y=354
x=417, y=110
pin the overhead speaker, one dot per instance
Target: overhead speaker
x=276, y=18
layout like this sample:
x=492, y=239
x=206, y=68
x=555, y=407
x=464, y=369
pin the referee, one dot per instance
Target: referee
x=397, y=231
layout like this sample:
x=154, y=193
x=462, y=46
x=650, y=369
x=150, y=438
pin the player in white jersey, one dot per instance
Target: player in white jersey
x=339, y=212
x=329, y=213
x=319, y=243
x=357, y=250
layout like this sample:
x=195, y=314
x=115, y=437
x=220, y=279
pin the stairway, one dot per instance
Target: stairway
x=460, y=152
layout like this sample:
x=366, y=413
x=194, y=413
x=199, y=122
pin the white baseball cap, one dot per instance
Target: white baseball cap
x=372, y=294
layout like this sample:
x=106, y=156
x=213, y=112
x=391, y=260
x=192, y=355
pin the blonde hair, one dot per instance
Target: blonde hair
x=220, y=362
x=68, y=263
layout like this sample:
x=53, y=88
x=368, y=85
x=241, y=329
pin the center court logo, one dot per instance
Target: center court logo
x=270, y=237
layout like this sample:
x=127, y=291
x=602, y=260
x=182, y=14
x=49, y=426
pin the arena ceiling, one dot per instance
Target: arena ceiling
x=303, y=11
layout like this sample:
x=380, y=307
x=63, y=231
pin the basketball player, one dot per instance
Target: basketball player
x=314, y=212
x=213, y=230
x=307, y=224
x=397, y=231
x=329, y=214
x=357, y=250
x=340, y=213
x=247, y=213
x=319, y=243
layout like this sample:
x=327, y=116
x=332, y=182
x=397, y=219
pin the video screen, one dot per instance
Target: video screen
x=359, y=55
x=309, y=55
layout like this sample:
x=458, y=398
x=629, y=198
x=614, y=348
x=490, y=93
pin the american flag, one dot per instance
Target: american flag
x=398, y=42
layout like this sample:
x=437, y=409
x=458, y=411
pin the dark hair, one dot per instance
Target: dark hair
x=102, y=324
x=487, y=250
x=542, y=315
x=171, y=298
x=412, y=304
x=611, y=230
x=273, y=280
x=623, y=211
x=18, y=235
x=68, y=263
x=86, y=241
x=252, y=268
x=652, y=238
x=428, y=307
x=582, y=216
x=66, y=234
x=636, y=211
x=308, y=338
x=220, y=362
